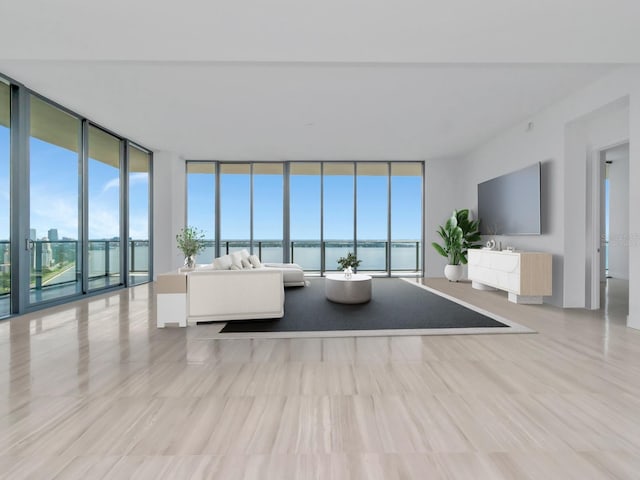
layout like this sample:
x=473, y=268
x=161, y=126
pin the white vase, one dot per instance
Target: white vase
x=453, y=272
x=348, y=272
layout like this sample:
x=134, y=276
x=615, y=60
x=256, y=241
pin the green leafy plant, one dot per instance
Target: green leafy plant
x=470, y=232
x=190, y=241
x=349, y=261
x=458, y=234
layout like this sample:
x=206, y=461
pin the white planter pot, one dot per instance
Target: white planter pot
x=453, y=272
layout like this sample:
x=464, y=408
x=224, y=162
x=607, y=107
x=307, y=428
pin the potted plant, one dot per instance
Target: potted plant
x=190, y=242
x=458, y=234
x=348, y=263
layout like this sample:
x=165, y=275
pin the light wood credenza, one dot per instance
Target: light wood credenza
x=527, y=276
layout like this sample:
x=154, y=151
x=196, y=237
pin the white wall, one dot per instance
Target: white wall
x=562, y=137
x=169, y=207
x=585, y=137
x=633, y=320
x=619, y=218
x=443, y=179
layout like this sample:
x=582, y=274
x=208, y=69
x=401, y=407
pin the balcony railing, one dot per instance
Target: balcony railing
x=5, y=271
x=314, y=256
x=54, y=262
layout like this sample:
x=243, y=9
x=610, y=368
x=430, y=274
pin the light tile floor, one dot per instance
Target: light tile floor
x=93, y=390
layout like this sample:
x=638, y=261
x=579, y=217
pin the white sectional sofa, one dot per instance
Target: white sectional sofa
x=215, y=295
x=227, y=289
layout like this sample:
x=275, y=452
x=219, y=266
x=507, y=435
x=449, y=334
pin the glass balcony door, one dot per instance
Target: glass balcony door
x=104, y=191
x=201, y=210
x=372, y=183
x=5, y=203
x=140, y=251
x=268, y=211
x=338, y=198
x=305, y=207
x=406, y=217
x=235, y=207
x=55, y=168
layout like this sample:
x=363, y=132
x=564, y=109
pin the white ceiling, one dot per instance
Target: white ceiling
x=467, y=31
x=273, y=112
x=294, y=79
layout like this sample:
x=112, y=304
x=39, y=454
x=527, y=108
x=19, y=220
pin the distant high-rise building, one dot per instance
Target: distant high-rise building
x=53, y=234
x=6, y=260
x=47, y=253
x=32, y=234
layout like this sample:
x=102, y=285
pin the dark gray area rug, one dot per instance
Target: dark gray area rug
x=395, y=304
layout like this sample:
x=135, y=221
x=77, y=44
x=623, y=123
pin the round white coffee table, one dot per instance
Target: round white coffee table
x=340, y=289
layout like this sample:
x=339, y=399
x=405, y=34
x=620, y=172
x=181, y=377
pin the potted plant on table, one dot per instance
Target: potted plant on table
x=348, y=263
x=190, y=242
x=458, y=234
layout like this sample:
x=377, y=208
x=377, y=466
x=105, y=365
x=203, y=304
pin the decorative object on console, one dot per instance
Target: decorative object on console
x=491, y=244
x=459, y=234
x=350, y=261
x=190, y=242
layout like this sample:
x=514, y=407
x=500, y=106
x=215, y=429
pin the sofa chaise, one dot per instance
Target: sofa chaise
x=292, y=273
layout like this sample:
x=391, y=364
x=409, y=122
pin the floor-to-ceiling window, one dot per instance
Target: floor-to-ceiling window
x=54, y=202
x=372, y=189
x=305, y=207
x=268, y=211
x=330, y=208
x=103, y=172
x=64, y=204
x=338, y=208
x=235, y=206
x=5, y=200
x=406, y=216
x=201, y=211
x=140, y=253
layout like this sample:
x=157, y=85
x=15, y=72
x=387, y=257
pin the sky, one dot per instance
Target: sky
x=305, y=206
x=54, y=188
x=54, y=201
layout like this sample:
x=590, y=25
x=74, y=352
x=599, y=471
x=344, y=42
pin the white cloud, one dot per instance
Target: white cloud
x=113, y=183
x=134, y=179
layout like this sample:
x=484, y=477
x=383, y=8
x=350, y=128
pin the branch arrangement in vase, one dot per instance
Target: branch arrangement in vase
x=349, y=261
x=190, y=242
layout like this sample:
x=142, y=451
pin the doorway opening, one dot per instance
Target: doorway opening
x=614, y=229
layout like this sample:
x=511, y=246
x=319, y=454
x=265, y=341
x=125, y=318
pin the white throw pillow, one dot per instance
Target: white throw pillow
x=246, y=264
x=244, y=253
x=255, y=261
x=236, y=259
x=222, y=263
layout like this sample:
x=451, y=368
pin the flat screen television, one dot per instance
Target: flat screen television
x=510, y=204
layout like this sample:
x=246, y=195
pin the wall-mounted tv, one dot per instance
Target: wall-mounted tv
x=510, y=204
